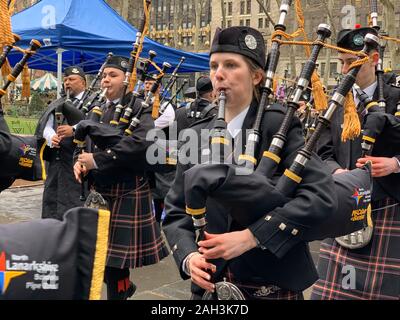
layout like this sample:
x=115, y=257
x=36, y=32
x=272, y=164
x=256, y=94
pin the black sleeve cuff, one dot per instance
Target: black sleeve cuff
x=180, y=250
x=276, y=234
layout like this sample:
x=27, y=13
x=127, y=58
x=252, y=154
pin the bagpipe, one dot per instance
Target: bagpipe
x=48, y=259
x=21, y=155
x=90, y=96
x=171, y=81
x=261, y=191
x=267, y=195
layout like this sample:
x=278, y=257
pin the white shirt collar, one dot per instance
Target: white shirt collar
x=370, y=90
x=115, y=101
x=80, y=95
x=236, y=124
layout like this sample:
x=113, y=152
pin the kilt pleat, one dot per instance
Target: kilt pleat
x=135, y=238
x=376, y=266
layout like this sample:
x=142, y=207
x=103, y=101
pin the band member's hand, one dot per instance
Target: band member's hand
x=227, y=245
x=198, y=267
x=55, y=141
x=79, y=171
x=302, y=107
x=381, y=166
x=86, y=159
x=65, y=131
x=340, y=171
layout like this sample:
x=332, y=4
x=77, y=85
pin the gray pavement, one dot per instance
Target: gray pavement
x=157, y=282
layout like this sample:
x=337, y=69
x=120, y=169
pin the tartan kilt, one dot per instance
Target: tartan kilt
x=377, y=265
x=135, y=238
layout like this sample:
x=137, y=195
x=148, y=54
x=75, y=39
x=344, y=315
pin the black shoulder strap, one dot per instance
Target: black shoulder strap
x=206, y=110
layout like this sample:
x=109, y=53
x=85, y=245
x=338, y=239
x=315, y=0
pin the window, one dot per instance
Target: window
x=333, y=71
x=242, y=3
x=248, y=7
x=229, y=8
x=247, y=22
x=241, y=22
x=260, y=23
x=321, y=69
x=229, y=23
x=266, y=24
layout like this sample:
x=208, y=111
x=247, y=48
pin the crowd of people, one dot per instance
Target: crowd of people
x=268, y=259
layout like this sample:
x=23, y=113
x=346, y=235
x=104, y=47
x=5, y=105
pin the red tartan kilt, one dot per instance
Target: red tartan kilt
x=135, y=239
x=377, y=265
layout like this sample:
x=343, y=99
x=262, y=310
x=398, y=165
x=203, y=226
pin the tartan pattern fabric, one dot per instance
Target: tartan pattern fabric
x=377, y=266
x=254, y=291
x=135, y=239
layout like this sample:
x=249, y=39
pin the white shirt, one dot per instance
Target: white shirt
x=167, y=118
x=236, y=124
x=49, y=131
x=368, y=90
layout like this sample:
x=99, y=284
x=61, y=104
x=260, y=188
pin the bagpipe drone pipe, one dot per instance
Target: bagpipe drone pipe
x=48, y=259
x=262, y=192
x=106, y=136
x=19, y=154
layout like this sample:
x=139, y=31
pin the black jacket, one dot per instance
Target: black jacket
x=184, y=120
x=126, y=159
x=285, y=260
x=344, y=155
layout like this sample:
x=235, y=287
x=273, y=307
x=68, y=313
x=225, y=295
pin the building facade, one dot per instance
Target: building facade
x=337, y=13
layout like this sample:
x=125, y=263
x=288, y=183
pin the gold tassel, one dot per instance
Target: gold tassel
x=6, y=36
x=351, y=121
x=11, y=7
x=5, y=69
x=156, y=106
x=26, y=83
x=320, y=100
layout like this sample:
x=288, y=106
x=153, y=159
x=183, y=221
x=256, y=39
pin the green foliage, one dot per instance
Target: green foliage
x=19, y=125
x=36, y=105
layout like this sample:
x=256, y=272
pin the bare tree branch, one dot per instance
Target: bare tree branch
x=260, y=2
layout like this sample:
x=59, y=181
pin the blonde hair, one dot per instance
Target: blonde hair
x=254, y=67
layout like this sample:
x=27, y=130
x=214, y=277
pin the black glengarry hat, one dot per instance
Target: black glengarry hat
x=204, y=85
x=74, y=71
x=245, y=41
x=118, y=62
x=353, y=39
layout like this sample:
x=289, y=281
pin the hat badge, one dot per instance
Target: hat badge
x=124, y=64
x=75, y=70
x=358, y=39
x=250, y=42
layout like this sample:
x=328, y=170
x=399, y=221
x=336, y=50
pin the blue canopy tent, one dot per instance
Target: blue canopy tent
x=83, y=32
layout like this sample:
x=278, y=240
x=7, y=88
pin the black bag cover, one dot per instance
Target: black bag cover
x=353, y=190
x=52, y=259
x=23, y=159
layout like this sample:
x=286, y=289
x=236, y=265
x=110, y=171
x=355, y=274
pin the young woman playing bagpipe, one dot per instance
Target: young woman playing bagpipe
x=265, y=260
x=117, y=172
